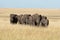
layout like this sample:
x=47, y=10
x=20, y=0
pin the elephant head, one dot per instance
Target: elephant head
x=44, y=21
x=13, y=18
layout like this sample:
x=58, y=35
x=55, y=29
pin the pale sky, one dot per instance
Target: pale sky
x=29, y=3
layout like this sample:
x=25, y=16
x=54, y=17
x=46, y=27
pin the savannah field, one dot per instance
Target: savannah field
x=28, y=32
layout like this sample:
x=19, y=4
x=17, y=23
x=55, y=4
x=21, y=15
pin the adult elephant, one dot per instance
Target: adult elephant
x=13, y=18
x=30, y=20
x=36, y=19
x=20, y=18
x=23, y=19
x=44, y=21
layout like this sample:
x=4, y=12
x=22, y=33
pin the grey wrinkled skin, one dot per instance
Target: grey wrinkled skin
x=27, y=18
x=44, y=21
x=36, y=19
x=30, y=20
x=13, y=18
x=23, y=19
x=20, y=19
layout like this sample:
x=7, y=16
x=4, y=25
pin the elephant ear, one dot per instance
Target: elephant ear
x=16, y=16
x=40, y=16
x=45, y=17
x=29, y=15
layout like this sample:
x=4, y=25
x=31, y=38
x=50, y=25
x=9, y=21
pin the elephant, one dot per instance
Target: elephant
x=23, y=19
x=44, y=21
x=30, y=20
x=13, y=18
x=20, y=19
x=36, y=19
x=27, y=18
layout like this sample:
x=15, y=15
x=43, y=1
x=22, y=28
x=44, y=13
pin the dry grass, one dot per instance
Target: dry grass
x=27, y=32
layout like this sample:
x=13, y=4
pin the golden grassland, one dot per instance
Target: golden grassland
x=28, y=32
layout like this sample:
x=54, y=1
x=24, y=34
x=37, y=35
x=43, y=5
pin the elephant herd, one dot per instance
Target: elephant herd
x=29, y=19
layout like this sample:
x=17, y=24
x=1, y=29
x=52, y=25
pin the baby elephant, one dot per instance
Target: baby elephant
x=13, y=18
